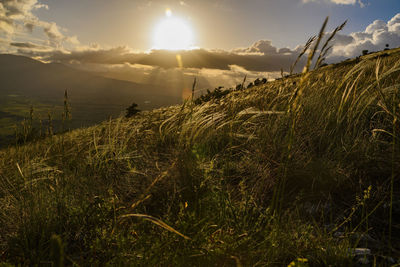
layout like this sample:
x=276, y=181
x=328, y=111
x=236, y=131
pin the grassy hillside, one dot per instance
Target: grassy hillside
x=301, y=171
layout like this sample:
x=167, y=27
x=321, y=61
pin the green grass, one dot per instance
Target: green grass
x=14, y=109
x=199, y=185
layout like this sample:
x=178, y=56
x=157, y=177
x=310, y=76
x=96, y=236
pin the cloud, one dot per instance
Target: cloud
x=29, y=45
x=262, y=56
x=377, y=25
x=16, y=16
x=338, y=2
x=52, y=31
x=373, y=38
x=261, y=59
x=394, y=23
x=159, y=67
x=261, y=47
x=344, y=2
x=12, y=11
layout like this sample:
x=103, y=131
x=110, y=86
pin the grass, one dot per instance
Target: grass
x=14, y=109
x=193, y=185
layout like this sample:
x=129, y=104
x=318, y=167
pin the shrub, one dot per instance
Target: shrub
x=132, y=110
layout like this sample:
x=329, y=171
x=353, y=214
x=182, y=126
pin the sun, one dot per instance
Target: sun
x=172, y=33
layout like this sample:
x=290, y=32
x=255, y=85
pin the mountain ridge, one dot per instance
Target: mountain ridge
x=24, y=75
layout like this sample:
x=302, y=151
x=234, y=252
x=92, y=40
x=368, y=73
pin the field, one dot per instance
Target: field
x=25, y=85
x=14, y=109
x=302, y=171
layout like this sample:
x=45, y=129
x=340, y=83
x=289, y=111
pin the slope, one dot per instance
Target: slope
x=301, y=171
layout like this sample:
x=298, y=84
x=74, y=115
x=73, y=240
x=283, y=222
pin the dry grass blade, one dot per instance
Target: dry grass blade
x=20, y=171
x=156, y=222
x=254, y=111
x=161, y=176
x=374, y=131
x=385, y=105
x=325, y=47
x=237, y=261
x=244, y=80
x=377, y=69
x=306, y=47
x=137, y=203
x=323, y=56
x=193, y=87
x=312, y=54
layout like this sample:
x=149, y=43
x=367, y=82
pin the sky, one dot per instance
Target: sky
x=218, y=24
x=225, y=38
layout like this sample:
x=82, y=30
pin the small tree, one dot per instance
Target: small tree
x=365, y=52
x=132, y=110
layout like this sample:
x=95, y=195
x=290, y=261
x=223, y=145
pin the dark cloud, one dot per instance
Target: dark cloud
x=28, y=45
x=161, y=68
x=261, y=56
x=29, y=26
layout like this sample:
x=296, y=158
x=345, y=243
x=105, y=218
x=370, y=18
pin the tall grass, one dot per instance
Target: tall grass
x=326, y=48
x=305, y=49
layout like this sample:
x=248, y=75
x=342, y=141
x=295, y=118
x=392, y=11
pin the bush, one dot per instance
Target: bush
x=132, y=110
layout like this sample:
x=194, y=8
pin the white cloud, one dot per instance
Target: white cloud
x=373, y=38
x=338, y=2
x=376, y=26
x=394, y=23
x=344, y=2
x=262, y=47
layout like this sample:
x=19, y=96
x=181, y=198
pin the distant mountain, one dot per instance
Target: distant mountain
x=47, y=82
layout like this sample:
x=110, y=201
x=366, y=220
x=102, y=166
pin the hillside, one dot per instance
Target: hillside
x=26, y=82
x=301, y=171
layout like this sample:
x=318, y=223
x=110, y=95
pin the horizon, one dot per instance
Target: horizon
x=235, y=39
